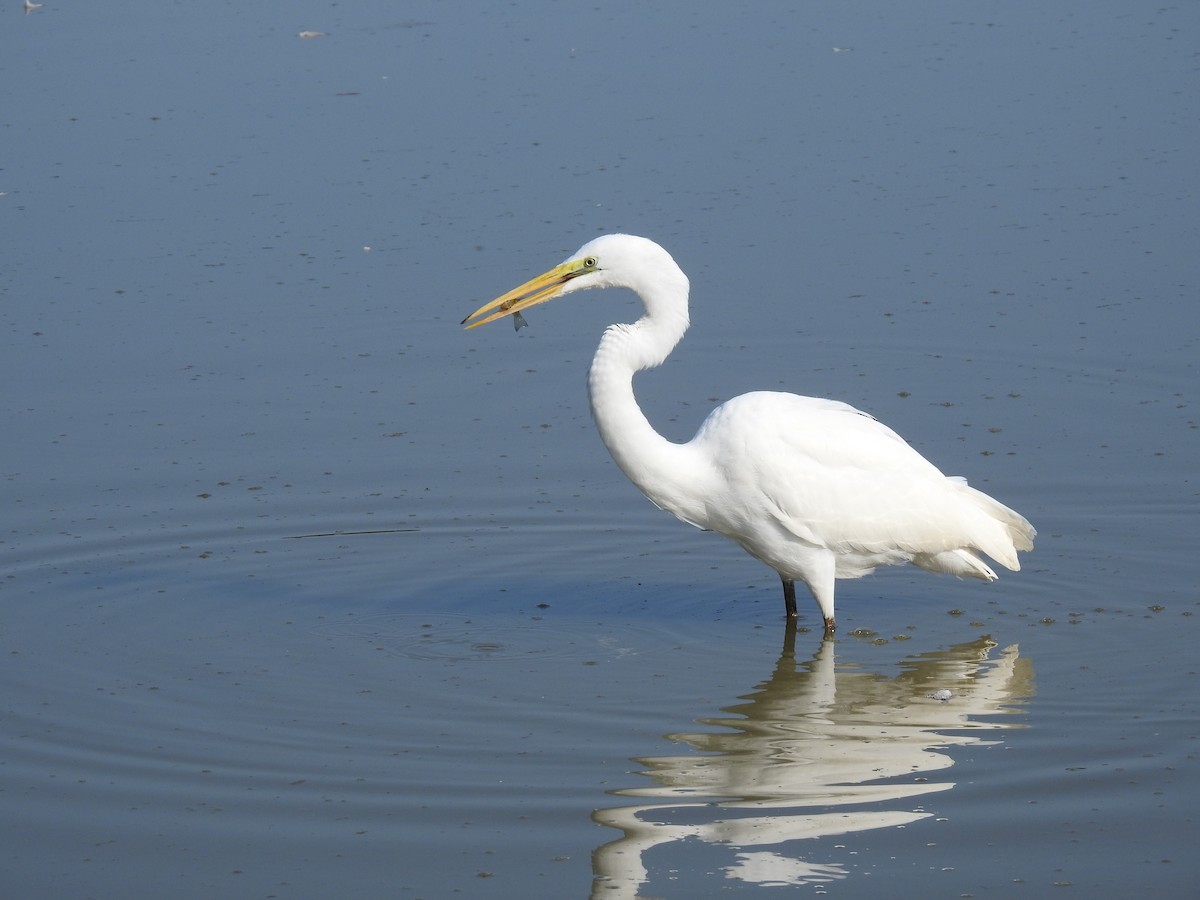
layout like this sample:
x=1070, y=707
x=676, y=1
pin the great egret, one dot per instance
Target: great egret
x=814, y=488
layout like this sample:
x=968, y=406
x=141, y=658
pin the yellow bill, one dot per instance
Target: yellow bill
x=545, y=287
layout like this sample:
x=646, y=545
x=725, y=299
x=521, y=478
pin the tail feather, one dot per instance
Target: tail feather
x=961, y=562
x=1016, y=533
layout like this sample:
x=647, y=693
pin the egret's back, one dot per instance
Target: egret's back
x=801, y=479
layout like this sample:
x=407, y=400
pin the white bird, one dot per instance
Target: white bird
x=814, y=488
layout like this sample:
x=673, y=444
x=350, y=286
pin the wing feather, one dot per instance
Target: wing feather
x=836, y=478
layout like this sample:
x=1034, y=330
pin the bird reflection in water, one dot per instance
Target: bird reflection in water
x=810, y=737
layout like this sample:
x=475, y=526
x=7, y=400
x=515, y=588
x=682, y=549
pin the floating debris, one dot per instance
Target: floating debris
x=942, y=695
x=306, y=35
x=326, y=534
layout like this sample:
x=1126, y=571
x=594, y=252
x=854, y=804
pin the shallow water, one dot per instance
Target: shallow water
x=306, y=591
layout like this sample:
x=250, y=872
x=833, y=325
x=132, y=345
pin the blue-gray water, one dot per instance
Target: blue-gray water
x=234, y=261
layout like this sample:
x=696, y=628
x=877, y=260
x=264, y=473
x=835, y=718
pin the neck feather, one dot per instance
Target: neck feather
x=650, y=461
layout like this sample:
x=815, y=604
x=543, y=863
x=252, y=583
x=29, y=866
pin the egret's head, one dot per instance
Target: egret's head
x=612, y=260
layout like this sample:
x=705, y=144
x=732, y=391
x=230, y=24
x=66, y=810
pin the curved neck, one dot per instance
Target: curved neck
x=650, y=461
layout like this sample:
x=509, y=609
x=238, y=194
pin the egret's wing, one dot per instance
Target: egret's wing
x=837, y=478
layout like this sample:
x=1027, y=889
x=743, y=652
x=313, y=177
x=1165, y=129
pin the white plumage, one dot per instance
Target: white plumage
x=814, y=488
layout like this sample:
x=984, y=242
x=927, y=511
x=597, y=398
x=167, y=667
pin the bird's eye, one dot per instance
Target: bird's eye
x=590, y=262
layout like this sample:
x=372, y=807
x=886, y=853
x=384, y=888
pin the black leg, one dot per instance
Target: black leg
x=789, y=596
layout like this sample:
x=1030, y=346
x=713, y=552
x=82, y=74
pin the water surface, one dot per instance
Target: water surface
x=307, y=591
